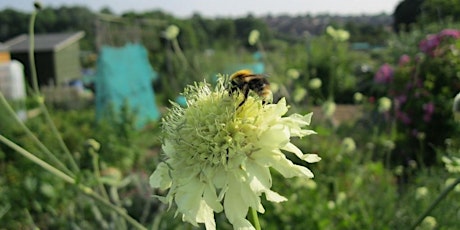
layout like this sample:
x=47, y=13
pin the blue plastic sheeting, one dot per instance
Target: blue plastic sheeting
x=124, y=77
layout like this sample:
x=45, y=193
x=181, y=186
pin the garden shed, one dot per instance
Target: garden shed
x=57, y=56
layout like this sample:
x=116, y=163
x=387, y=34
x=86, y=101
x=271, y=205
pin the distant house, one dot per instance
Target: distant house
x=57, y=56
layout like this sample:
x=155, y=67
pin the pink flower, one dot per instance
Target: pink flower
x=450, y=33
x=400, y=100
x=403, y=60
x=428, y=108
x=384, y=74
x=429, y=44
x=403, y=117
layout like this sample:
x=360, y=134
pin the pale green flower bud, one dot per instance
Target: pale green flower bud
x=329, y=108
x=253, y=37
x=40, y=99
x=348, y=145
x=311, y=184
x=293, y=73
x=38, y=5
x=421, y=192
x=341, y=197
x=331, y=205
x=399, y=170
x=384, y=104
x=358, y=97
x=421, y=136
x=338, y=35
x=428, y=223
x=93, y=144
x=315, y=83
x=299, y=94
x=389, y=144
x=413, y=164
x=171, y=32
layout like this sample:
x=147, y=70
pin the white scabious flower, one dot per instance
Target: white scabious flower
x=329, y=108
x=358, y=97
x=338, y=34
x=293, y=73
x=348, y=145
x=428, y=223
x=421, y=192
x=218, y=155
x=171, y=32
x=384, y=104
x=299, y=94
x=315, y=83
x=253, y=37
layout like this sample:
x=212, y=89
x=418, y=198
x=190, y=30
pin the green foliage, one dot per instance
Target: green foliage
x=50, y=202
x=423, y=89
x=13, y=23
x=440, y=11
x=411, y=14
x=353, y=188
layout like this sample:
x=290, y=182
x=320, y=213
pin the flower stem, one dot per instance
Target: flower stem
x=37, y=160
x=254, y=218
x=33, y=69
x=33, y=137
x=36, y=90
x=86, y=190
x=436, y=202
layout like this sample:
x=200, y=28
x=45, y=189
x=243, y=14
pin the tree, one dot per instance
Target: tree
x=12, y=23
x=440, y=10
x=406, y=14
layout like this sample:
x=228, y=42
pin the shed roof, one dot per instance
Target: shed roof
x=44, y=42
x=3, y=47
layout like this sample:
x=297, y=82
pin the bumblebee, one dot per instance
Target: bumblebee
x=244, y=81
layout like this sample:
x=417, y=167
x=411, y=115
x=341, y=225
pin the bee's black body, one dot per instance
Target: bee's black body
x=245, y=81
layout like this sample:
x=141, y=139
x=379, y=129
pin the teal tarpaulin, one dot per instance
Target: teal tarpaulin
x=124, y=77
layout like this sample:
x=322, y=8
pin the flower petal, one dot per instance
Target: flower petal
x=311, y=158
x=274, y=196
x=293, y=149
x=259, y=177
x=188, y=198
x=205, y=215
x=289, y=169
x=160, y=177
x=211, y=198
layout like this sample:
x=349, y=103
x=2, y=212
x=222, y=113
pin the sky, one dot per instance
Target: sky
x=222, y=8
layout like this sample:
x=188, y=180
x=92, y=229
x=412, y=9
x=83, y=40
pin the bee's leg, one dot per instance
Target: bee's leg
x=246, y=93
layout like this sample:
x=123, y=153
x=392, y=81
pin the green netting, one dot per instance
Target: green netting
x=124, y=78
